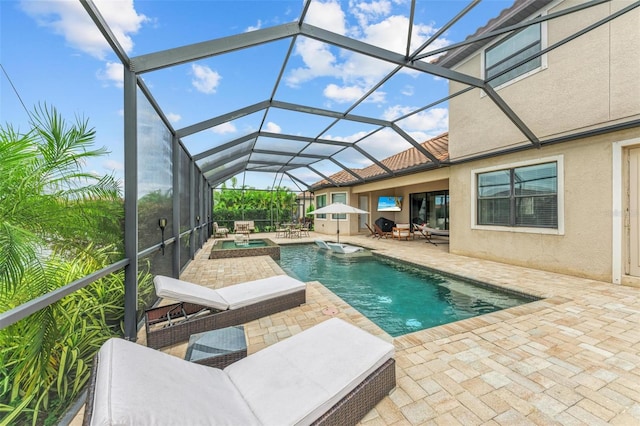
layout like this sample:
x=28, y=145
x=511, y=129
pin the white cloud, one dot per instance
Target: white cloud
x=327, y=15
x=173, y=117
x=377, y=97
x=391, y=34
x=122, y=19
x=375, y=8
x=70, y=20
x=344, y=93
x=257, y=26
x=351, y=93
x=224, y=128
x=318, y=60
x=350, y=138
x=357, y=73
x=423, y=136
x=421, y=35
x=384, y=143
x=302, y=173
x=113, y=165
x=113, y=73
x=273, y=127
x=205, y=79
x=364, y=11
x=434, y=120
x=396, y=111
x=407, y=90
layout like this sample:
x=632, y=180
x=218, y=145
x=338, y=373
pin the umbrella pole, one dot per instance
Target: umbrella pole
x=338, y=229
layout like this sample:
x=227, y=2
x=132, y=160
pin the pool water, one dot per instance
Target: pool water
x=399, y=298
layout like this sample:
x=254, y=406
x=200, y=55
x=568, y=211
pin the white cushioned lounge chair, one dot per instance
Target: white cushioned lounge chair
x=220, y=231
x=332, y=373
x=322, y=244
x=344, y=248
x=201, y=308
x=428, y=233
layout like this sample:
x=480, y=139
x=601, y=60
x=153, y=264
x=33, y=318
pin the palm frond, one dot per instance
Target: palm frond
x=17, y=252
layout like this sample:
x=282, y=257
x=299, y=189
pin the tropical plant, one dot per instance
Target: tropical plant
x=46, y=357
x=266, y=207
x=47, y=202
x=308, y=216
x=58, y=223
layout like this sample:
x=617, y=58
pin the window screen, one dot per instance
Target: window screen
x=321, y=201
x=512, y=50
x=339, y=197
x=522, y=196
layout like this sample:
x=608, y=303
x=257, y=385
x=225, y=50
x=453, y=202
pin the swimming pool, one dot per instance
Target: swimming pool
x=399, y=298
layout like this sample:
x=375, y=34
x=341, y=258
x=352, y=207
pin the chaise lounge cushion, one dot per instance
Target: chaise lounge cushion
x=163, y=389
x=322, y=244
x=308, y=373
x=251, y=292
x=230, y=297
x=183, y=291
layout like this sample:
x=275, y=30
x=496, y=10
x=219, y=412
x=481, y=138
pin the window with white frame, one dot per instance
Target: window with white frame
x=339, y=197
x=524, y=196
x=512, y=50
x=321, y=201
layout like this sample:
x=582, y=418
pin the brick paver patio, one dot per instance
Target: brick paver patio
x=572, y=358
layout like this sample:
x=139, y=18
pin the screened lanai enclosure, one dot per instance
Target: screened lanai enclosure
x=289, y=99
x=282, y=134
x=307, y=116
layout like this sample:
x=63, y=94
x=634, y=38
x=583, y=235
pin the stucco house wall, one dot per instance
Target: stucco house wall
x=587, y=84
x=585, y=245
x=329, y=225
x=584, y=84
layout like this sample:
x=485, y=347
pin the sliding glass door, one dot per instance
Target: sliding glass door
x=431, y=208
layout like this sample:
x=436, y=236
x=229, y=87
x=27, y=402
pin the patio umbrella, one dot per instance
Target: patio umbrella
x=338, y=208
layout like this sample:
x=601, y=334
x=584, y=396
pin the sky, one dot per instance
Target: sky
x=51, y=53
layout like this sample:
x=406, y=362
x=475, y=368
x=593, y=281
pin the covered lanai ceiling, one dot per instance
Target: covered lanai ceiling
x=335, y=95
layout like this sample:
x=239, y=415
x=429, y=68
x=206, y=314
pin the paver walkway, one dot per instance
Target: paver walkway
x=572, y=358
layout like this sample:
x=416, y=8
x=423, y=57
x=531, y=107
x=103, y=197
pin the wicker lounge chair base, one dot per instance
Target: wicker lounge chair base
x=348, y=411
x=353, y=407
x=330, y=374
x=163, y=331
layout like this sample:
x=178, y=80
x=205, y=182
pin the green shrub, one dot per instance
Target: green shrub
x=46, y=357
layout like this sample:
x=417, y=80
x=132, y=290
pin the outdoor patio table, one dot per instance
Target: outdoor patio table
x=217, y=348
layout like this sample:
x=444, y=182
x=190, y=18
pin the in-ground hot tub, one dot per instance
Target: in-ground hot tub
x=224, y=249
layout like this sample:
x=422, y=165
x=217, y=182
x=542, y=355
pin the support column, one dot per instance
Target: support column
x=175, y=226
x=130, y=205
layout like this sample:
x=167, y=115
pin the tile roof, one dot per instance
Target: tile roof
x=305, y=194
x=408, y=159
